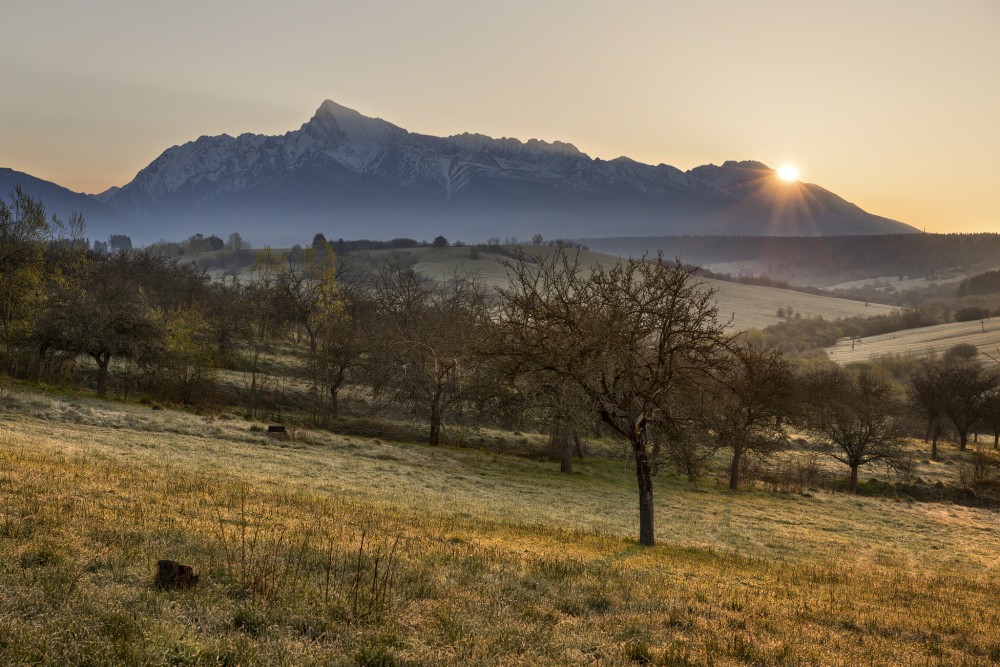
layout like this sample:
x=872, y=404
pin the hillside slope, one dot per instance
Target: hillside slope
x=494, y=558
x=923, y=341
x=748, y=306
x=101, y=220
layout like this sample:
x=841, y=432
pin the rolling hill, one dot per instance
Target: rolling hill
x=924, y=341
x=748, y=306
x=101, y=219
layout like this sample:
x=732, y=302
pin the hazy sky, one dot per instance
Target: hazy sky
x=893, y=104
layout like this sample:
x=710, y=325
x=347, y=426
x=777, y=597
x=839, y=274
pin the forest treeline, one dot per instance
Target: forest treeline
x=634, y=351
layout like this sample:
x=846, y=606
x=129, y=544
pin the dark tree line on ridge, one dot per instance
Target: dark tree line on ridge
x=825, y=259
x=635, y=351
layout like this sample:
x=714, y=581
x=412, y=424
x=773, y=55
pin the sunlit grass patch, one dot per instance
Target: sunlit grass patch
x=344, y=551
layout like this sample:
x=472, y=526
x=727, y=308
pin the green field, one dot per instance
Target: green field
x=487, y=557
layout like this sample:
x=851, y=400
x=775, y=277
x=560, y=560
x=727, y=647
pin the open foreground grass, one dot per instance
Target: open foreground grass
x=339, y=550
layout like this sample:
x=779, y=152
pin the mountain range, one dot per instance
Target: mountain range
x=351, y=176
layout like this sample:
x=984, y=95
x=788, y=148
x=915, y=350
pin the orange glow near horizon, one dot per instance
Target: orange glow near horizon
x=902, y=123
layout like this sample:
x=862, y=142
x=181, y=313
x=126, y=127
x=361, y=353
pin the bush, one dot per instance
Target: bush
x=971, y=313
x=983, y=471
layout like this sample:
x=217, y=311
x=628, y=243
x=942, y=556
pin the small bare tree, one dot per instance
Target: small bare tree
x=926, y=393
x=422, y=338
x=855, y=413
x=755, y=396
x=966, y=387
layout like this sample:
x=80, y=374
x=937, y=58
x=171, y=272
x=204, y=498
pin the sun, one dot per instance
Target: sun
x=788, y=172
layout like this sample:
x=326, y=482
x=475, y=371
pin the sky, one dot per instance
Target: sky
x=892, y=104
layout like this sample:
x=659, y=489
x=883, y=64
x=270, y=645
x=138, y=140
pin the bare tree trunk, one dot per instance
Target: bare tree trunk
x=334, y=391
x=102, y=374
x=734, y=468
x=934, y=450
x=579, y=444
x=996, y=439
x=963, y=439
x=852, y=486
x=566, y=465
x=644, y=477
x=435, y=437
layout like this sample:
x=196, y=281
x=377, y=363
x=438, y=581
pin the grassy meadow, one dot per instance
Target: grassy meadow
x=343, y=550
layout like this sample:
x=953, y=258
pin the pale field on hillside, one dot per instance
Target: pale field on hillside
x=951, y=276
x=923, y=341
x=746, y=306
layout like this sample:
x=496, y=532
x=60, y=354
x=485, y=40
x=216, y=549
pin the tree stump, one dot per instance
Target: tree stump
x=171, y=574
x=281, y=433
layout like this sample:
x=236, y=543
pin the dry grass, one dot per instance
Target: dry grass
x=753, y=306
x=498, y=559
x=923, y=341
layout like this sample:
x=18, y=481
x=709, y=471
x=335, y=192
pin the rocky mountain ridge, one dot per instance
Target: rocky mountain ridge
x=348, y=175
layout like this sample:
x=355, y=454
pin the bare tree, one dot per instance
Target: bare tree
x=629, y=338
x=855, y=413
x=306, y=290
x=103, y=312
x=926, y=393
x=564, y=410
x=422, y=338
x=236, y=244
x=257, y=297
x=755, y=396
x=966, y=387
x=991, y=417
x=342, y=342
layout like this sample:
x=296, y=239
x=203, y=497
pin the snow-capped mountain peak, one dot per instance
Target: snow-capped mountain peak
x=333, y=118
x=344, y=165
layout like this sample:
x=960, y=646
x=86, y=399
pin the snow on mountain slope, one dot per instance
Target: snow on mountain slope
x=376, y=178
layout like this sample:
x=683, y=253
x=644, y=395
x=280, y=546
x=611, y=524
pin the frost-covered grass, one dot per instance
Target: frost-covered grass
x=484, y=558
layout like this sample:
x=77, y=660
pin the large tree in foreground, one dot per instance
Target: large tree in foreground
x=856, y=414
x=629, y=338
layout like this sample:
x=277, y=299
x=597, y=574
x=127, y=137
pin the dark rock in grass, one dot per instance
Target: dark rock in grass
x=171, y=574
x=281, y=433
